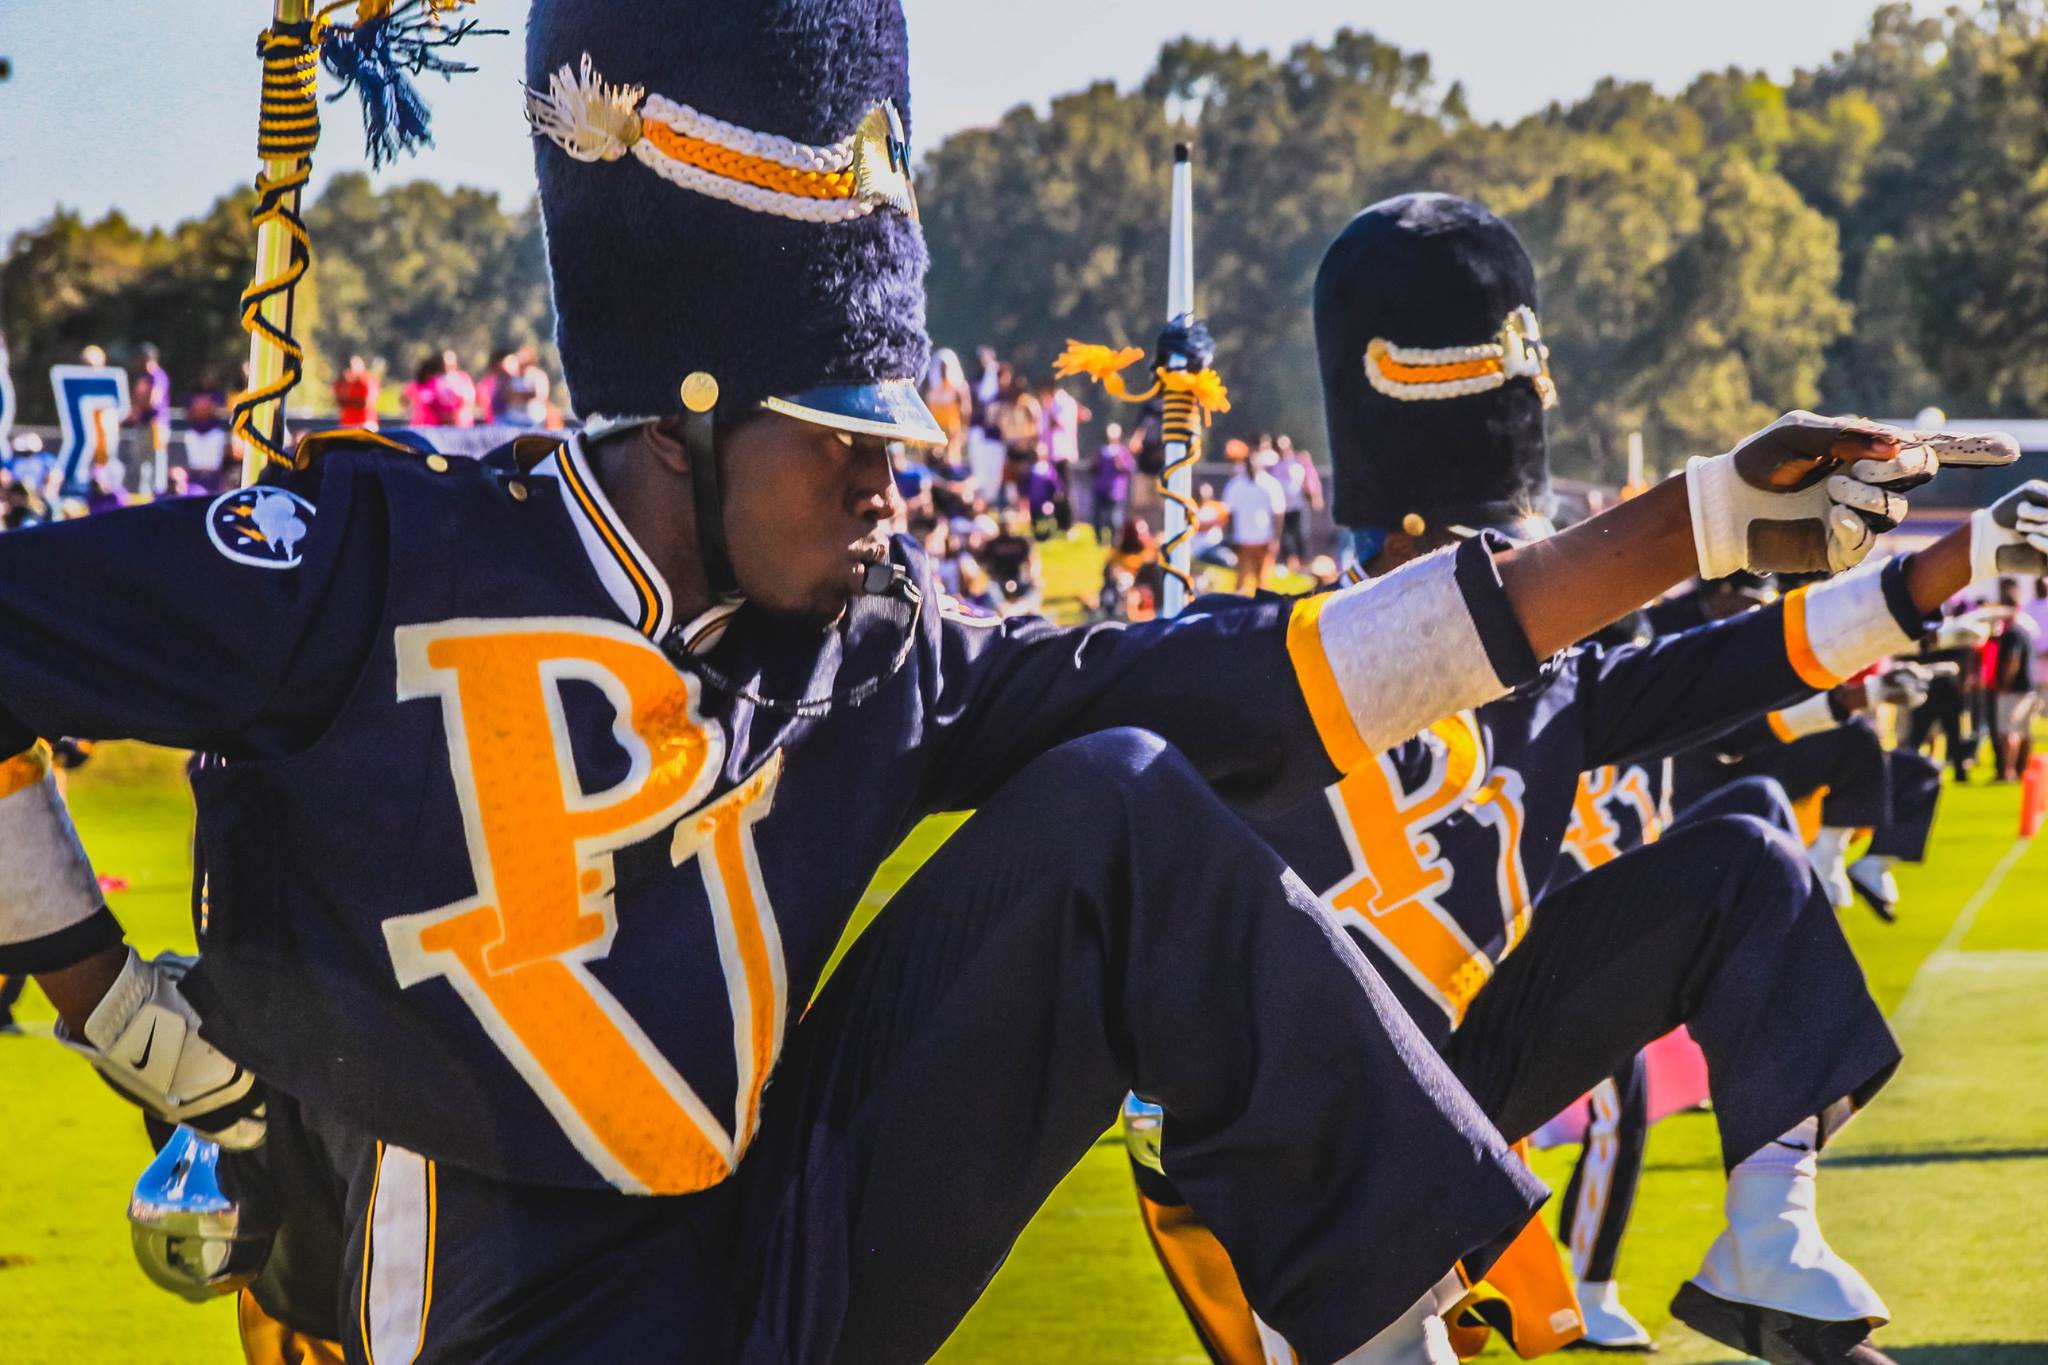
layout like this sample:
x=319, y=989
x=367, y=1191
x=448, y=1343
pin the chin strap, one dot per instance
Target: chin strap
x=700, y=397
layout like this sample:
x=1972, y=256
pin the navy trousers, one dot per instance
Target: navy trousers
x=1721, y=926
x=1892, y=792
x=1103, y=924
x=1603, y=1184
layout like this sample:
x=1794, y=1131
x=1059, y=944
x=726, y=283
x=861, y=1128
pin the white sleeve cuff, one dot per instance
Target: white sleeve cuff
x=1849, y=624
x=1801, y=719
x=46, y=883
x=1380, y=660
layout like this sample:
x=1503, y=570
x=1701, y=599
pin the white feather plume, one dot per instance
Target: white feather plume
x=585, y=115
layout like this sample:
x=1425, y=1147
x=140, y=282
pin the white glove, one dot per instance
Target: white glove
x=2011, y=535
x=1972, y=628
x=1792, y=498
x=1901, y=685
x=144, y=1038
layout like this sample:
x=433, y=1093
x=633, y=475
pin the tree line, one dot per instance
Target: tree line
x=1871, y=235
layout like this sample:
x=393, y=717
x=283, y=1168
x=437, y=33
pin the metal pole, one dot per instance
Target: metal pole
x=1178, y=474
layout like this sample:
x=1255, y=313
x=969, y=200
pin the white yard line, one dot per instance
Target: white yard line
x=1949, y=949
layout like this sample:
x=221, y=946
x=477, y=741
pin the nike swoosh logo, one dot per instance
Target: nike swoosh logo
x=147, y=1044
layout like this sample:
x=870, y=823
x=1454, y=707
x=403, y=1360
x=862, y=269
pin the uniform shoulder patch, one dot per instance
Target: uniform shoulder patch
x=261, y=526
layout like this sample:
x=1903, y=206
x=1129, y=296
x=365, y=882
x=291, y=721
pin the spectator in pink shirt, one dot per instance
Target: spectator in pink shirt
x=441, y=395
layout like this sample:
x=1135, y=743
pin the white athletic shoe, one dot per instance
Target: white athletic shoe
x=1609, y=1326
x=1828, y=854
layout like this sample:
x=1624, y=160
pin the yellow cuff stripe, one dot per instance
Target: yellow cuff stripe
x=1318, y=681
x=1799, y=647
x=1776, y=720
x=24, y=770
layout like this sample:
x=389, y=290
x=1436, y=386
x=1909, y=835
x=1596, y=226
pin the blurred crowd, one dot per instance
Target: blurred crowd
x=157, y=449
x=1016, y=471
x=1981, y=699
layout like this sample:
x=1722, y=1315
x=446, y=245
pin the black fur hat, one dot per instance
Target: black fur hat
x=1434, y=379
x=725, y=188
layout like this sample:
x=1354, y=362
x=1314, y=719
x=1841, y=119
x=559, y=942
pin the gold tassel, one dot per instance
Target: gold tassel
x=1101, y=364
x=1204, y=386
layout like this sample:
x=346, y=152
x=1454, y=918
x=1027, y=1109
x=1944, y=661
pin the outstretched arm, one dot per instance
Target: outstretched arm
x=1678, y=690
x=1806, y=494
x=1566, y=587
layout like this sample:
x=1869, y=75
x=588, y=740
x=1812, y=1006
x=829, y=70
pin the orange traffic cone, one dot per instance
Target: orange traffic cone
x=2033, y=795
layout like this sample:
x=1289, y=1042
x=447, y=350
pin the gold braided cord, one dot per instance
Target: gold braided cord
x=275, y=205
x=1191, y=398
x=1205, y=387
x=1179, y=425
x=288, y=120
x=748, y=170
x=287, y=130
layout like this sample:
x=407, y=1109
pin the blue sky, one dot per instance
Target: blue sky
x=150, y=105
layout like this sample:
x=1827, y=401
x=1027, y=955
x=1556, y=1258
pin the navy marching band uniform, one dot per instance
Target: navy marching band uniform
x=517, y=886
x=1432, y=855
x=388, y=699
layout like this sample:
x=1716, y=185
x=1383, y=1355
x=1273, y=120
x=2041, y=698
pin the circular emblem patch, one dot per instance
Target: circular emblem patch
x=263, y=527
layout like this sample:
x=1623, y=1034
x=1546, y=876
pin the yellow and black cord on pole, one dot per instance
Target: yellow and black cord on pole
x=1188, y=399
x=377, y=50
x=287, y=131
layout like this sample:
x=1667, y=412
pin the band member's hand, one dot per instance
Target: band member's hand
x=1902, y=685
x=1811, y=494
x=2011, y=535
x=144, y=1038
x=1967, y=631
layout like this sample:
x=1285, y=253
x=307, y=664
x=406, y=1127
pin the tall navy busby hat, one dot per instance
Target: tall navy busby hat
x=1435, y=377
x=726, y=193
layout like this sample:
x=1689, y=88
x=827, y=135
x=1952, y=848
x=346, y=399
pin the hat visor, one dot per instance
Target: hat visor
x=891, y=409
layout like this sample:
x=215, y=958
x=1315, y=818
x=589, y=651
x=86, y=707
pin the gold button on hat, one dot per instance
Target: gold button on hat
x=700, y=392
x=438, y=463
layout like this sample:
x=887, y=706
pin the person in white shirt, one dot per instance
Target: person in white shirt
x=1061, y=416
x=1257, y=503
x=1304, y=488
x=206, y=441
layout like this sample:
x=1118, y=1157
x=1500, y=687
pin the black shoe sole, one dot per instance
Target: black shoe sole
x=1879, y=906
x=1648, y=1348
x=1774, y=1335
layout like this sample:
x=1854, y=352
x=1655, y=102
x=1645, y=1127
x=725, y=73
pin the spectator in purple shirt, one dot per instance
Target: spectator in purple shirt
x=1044, y=493
x=1114, y=465
x=149, y=407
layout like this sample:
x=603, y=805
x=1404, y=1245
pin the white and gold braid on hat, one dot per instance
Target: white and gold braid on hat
x=594, y=120
x=1414, y=374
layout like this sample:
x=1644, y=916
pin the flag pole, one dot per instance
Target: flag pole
x=1180, y=427
x=287, y=131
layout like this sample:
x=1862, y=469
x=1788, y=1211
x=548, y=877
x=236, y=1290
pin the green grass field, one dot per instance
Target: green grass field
x=1938, y=1192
